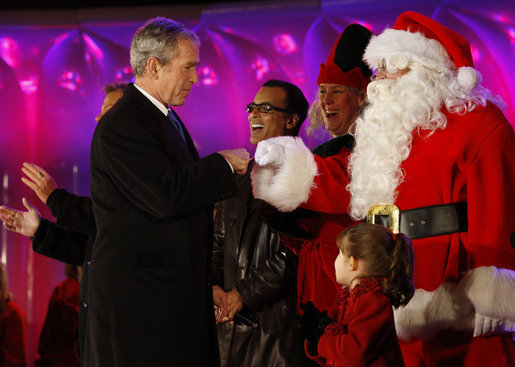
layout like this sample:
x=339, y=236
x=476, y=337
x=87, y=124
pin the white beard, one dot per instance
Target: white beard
x=384, y=135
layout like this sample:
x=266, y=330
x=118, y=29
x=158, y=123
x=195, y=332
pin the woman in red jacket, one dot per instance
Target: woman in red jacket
x=13, y=327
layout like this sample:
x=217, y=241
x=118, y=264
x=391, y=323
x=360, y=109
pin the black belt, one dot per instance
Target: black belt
x=422, y=222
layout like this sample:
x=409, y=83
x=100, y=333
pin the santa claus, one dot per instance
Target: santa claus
x=434, y=159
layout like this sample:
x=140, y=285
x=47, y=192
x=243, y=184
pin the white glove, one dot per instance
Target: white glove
x=491, y=291
x=486, y=325
x=268, y=153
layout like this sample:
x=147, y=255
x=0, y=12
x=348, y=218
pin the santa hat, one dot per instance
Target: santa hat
x=418, y=38
x=345, y=63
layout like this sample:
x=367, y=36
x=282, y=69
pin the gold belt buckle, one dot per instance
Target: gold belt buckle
x=392, y=211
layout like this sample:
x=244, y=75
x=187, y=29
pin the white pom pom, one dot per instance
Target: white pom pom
x=468, y=78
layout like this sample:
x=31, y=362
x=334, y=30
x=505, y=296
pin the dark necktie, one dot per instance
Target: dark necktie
x=176, y=124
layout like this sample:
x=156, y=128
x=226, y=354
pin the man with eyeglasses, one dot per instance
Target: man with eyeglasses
x=251, y=264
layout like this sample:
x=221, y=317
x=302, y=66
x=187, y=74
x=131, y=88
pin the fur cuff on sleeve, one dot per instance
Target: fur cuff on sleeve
x=486, y=291
x=427, y=313
x=491, y=291
x=287, y=186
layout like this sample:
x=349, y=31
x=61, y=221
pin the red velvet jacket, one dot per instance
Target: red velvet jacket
x=58, y=343
x=363, y=333
x=13, y=330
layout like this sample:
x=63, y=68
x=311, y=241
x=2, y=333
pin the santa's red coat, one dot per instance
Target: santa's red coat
x=472, y=160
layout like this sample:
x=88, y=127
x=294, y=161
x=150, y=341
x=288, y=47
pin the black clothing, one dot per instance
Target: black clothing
x=69, y=240
x=150, y=302
x=249, y=257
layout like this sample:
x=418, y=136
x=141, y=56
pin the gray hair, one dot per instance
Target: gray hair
x=159, y=38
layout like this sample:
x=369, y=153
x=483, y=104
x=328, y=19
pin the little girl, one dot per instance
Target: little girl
x=375, y=268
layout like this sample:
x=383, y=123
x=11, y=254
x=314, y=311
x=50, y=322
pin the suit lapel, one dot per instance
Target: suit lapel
x=171, y=134
x=189, y=141
x=175, y=138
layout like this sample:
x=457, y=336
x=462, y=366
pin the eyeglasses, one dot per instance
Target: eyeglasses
x=264, y=108
x=381, y=69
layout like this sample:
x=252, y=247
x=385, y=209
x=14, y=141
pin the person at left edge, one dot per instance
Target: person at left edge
x=151, y=300
x=70, y=238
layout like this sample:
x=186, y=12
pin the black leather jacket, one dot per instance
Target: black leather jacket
x=249, y=257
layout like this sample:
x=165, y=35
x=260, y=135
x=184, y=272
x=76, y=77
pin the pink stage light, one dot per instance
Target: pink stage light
x=208, y=76
x=70, y=80
x=93, y=47
x=364, y=24
x=261, y=67
x=476, y=54
x=61, y=38
x=228, y=30
x=124, y=74
x=29, y=86
x=511, y=34
x=500, y=18
x=9, y=52
x=285, y=44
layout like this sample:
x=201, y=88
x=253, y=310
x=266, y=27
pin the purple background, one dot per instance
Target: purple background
x=53, y=65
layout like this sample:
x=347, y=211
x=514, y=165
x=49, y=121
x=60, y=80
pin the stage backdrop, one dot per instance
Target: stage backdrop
x=53, y=66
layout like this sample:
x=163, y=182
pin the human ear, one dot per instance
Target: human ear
x=153, y=66
x=353, y=263
x=292, y=121
x=362, y=97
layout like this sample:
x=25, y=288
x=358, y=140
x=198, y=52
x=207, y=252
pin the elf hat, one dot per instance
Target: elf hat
x=418, y=38
x=345, y=62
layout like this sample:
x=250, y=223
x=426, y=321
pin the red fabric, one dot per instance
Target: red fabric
x=329, y=193
x=13, y=330
x=364, y=331
x=316, y=281
x=471, y=160
x=58, y=343
x=457, y=348
x=330, y=72
x=456, y=45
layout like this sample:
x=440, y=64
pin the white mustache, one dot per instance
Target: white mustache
x=379, y=90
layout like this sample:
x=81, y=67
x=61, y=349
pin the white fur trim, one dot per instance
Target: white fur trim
x=483, y=301
x=491, y=291
x=394, y=46
x=429, y=312
x=410, y=320
x=468, y=78
x=286, y=186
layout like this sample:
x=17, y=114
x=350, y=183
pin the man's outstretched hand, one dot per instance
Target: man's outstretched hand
x=25, y=223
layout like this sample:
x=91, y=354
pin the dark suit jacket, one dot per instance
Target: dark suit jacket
x=69, y=240
x=150, y=299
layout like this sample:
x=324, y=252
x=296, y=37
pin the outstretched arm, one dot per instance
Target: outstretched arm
x=71, y=211
x=38, y=180
x=25, y=223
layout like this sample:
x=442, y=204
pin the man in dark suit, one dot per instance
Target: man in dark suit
x=150, y=293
